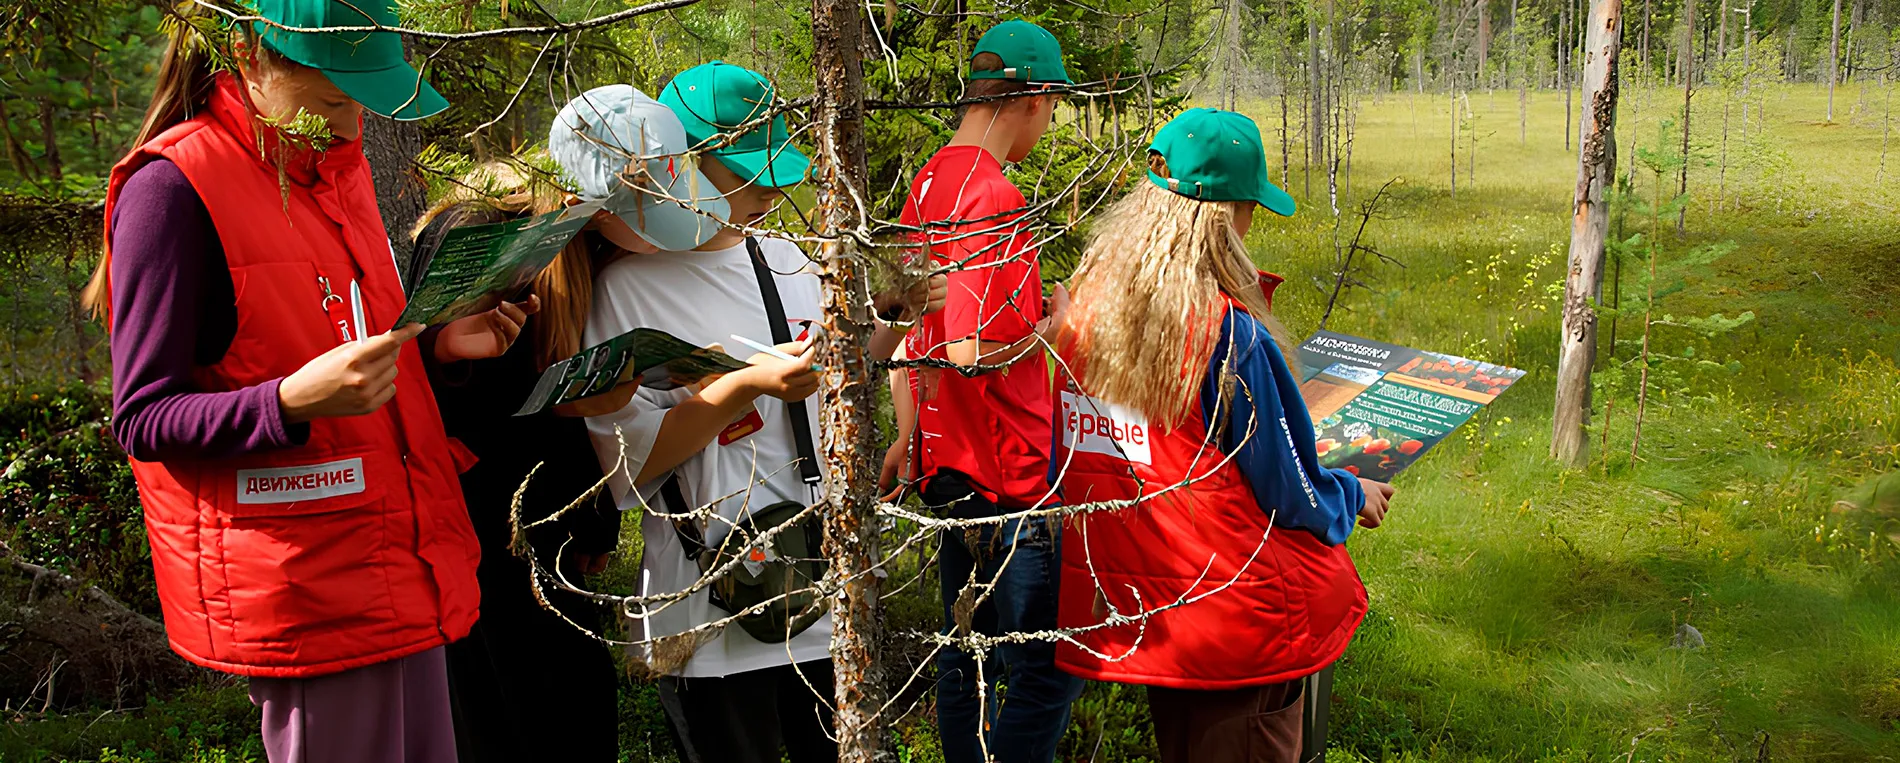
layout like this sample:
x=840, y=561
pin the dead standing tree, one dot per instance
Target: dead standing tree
x=1348, y=262
x=1833, y=58
x=1589, y=221
x=1688, y=94
x=851, y=386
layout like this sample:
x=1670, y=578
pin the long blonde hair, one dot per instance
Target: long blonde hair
x=504, y=190
x=1147, y=304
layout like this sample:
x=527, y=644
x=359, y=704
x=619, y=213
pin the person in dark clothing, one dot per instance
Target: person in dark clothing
x=527, y=683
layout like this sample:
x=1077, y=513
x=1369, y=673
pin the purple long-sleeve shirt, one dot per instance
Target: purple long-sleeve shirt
x=173, y=309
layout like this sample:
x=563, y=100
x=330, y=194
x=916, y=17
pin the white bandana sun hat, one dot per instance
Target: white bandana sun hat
x=599, y=137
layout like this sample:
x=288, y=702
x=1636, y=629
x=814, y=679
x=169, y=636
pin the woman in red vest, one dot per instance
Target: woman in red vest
x=306, y=524
x=1225, y=581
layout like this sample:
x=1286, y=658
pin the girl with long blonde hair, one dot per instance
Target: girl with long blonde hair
x=1221, y=581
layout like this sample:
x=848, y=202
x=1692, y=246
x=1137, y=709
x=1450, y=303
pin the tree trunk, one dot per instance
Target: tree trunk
x=1516, y=61
x=1833, y=59
x=1721, y=36
x=850, y=390
x=1855, y=17
x=1316, y=98
x=1232, y=63
x=1886, y=130
x=77, y=317
x=1789, y=66
x=1471, y=156
x=1351, y=115
x=401, y=196
x=1645, y=58
x=1563, y=66
x=1484, y=40
x=1338, y=104
x=1286, y=151
x=1454, y=137
x=92, y=104
x=1688, y=93
x=1748, y=72
x=16, y=154
x=56, y=171
x=1589, y=220
x=1721, y=164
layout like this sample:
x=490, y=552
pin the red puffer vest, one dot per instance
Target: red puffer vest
x=356, y=547
x=1246, y=607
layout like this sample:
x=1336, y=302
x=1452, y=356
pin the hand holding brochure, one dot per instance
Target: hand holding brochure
x=658, y=360
x=1377, y=407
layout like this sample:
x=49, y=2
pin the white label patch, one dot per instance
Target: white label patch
x=300, y=483
x=1096, y=426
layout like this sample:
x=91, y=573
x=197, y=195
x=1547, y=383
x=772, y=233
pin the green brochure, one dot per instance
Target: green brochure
x=657, y=359
x=479, y=266
x=1377, y=407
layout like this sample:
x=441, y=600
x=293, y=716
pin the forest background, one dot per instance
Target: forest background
x=1716, y=585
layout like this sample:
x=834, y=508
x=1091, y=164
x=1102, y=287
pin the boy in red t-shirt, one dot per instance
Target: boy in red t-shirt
x=981, y=442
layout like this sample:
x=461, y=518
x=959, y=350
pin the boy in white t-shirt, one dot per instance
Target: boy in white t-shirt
x=730, y=444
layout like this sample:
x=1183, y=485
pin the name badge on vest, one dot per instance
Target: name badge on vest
x=300, y=483
x=1096, y=426
x=743, y=428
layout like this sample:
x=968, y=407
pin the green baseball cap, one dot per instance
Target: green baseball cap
x=712, y=99
x=1216, y=155
x=367, y=66
x=1029, y=52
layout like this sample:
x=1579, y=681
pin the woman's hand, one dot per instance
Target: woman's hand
x=484, y=335
x=1378, y=497
x=351, y=379
x=787, y=380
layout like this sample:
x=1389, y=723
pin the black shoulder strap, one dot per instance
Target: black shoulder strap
x=782, y=333
x=691, y=539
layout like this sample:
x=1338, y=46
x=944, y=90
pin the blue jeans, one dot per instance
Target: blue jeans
x=1028, y=718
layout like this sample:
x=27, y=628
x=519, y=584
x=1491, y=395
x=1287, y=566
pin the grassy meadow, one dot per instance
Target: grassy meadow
x=1522, y=612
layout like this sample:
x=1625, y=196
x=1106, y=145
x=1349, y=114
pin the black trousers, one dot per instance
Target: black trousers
x=526, y=685
x=746, y=717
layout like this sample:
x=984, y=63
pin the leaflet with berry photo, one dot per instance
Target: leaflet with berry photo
x=1377, y=407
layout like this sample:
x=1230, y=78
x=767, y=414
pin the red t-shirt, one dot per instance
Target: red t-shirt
x=992, y=428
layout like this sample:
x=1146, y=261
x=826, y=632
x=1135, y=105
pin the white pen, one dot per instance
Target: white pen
x=356, y=311
x=772, y=351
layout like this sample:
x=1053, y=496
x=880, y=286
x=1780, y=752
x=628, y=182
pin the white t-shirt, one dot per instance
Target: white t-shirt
x=705, y=297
